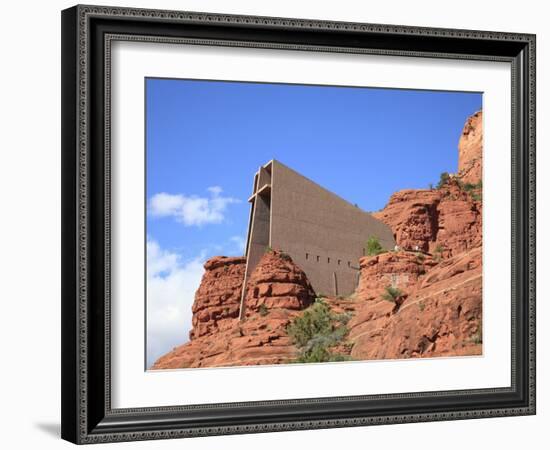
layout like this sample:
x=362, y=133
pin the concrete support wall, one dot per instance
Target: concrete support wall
x=324, y=234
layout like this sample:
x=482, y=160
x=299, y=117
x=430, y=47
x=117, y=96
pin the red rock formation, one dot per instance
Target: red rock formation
x=448, y=217
x=441, y=315
x=412, y=216
x=219, y=295
x=277, y=282
x=441, y=311
x=459, y=221
x=398, y=269
x=470, y=149
x=256, y=340
x=219, y=338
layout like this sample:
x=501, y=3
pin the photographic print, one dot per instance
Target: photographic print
x=311, y=224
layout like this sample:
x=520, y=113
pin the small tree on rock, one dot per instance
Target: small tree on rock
x=373, y=246
x=444, y=179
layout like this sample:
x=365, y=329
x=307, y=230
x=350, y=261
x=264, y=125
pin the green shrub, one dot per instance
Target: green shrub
x=420, y=257
x=476, y=196
x=391, y=294
x=263, y=310
x=444, y=179
x=474, y=190
x=316, y=354
x=373, y=246
x=421, y=306
x=268, y=249
x=476, y=338
x=315, y=320
x=316, y=330
x=469, y=187
x=343, y=318
x=285, y=256
x=438, y=253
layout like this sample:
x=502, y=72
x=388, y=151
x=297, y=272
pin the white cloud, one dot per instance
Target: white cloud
x=171, y=286
x=192, y=210
x=240, y=243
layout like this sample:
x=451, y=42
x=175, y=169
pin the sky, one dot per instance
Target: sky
x=206, y=139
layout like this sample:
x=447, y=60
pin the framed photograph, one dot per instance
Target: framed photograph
x=279, y=224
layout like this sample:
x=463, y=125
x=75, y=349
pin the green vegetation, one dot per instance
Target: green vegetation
x=263, y=310
x=316, y=330
x=470, y=186
x=477, y=337
x=285, y=256
x=420, y=257
x=438, y=253
x=373, y=246
x=444, y=179
x=392, y=294
x=268, y=249
x=474, y=190
x=421, y=306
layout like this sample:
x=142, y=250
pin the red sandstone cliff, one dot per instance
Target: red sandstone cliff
x=470, y=149
x=447, y=219
x=437, y=273
x=440, y=315
x=218, y=298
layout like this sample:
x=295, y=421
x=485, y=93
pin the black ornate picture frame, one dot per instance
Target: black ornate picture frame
x=87, y=34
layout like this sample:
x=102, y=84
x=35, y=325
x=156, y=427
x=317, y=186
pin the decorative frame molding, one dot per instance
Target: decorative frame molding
x=87, y=34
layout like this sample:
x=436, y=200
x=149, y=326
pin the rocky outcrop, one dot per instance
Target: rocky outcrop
x=447, y=219
x=277, y=282
x=277, y=290
x=459, y=217
x=412, y=216
x=218, y=297
x=441, y=315
x=398, y=269
x=470, y=150
x=254, y=341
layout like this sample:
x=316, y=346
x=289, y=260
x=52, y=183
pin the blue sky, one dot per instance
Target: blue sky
x=206, y=139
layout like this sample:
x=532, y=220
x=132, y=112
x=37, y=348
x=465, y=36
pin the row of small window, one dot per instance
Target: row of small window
x=328, y=260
